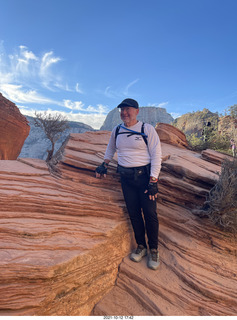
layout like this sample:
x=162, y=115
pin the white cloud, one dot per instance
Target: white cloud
x=26, y=68
x=120, y=92
x=26, y=78
x=175, y=115
x=62, y=86
x=78, y=89
x=19, y=95
x=47, y=60
x=49, y=79
x=129, y=86
x=28, y=55
x=99, y=109
x=21, y=64
x=163, y=105
x=73, y=105
x=159, y=105
x=109, y=93
x=5, y=78
x=78, y=105
x=93, y=120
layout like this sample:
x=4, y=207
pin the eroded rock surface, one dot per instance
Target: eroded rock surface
x=197, y=273
x=14, y=129
x=64, y=235
x=214, y=157
x=171, y=135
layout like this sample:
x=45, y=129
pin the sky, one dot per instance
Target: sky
x=81, y=58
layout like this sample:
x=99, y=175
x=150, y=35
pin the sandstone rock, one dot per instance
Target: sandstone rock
x=197, y=274
x=64, y=234
x=171, y=135
x=14, y=129
x=185, y=178
x=215, y=156
x=61, y=239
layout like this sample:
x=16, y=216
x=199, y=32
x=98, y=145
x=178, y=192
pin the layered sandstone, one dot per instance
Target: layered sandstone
x=14, y=129
x=214, y=157
x=198, y=265
x=61, y=239
x=65, y=239
x=171, y=135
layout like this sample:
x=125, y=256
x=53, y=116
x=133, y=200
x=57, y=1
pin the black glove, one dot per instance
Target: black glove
x=102, y=169
x=152, y=188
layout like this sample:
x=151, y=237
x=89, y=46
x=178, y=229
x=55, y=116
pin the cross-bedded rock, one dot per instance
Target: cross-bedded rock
x=65, y=238
x=14, y=129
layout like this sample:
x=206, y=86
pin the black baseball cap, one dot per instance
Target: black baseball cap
x=128, y=103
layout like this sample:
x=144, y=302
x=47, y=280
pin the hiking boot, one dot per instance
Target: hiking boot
x=153, y=260
x=139, y=253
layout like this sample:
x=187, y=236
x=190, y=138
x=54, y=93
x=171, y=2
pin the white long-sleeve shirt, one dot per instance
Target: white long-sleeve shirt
x=132, y=150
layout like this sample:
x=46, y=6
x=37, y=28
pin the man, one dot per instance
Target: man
x=139, y=163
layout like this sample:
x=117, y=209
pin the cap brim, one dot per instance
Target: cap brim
x=121, y=105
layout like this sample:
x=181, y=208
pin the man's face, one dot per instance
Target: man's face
x=129, y=115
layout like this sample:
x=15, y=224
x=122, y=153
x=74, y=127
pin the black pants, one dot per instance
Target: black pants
x=137, y=202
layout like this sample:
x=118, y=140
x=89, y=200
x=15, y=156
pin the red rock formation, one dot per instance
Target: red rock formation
x=64, y=235
x=171, y=135
x=215, y=156
x=14, y=129
x=198, y=269
x=61, y=239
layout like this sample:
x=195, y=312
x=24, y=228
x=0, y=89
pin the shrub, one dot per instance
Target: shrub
x=219, y=142
x=221, y=203
x=214, y=141
x=196, y=143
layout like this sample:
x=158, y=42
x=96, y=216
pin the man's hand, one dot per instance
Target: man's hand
x=101, y=170
x=152, y=190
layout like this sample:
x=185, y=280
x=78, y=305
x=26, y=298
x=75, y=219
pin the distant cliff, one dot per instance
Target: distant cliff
x=150, y=115
x=37, y=143
x=205, y=129
x=193, y=122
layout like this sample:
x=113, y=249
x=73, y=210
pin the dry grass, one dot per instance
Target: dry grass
x=221, y=203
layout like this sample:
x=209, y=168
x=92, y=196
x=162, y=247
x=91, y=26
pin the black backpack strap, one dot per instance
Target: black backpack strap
x=144, y=137
x=142, y=131
x=117, y=132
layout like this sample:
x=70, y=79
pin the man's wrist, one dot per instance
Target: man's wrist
x=105, y=164
x=153, y=180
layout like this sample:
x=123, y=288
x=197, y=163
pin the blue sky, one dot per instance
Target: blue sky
x=83, y=57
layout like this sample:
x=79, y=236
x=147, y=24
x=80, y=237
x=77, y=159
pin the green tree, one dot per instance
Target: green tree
x=233, y=111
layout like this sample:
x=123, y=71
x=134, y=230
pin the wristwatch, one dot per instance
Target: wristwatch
x=153, y=179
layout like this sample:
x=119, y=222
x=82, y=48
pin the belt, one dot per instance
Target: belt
x=134, y=172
